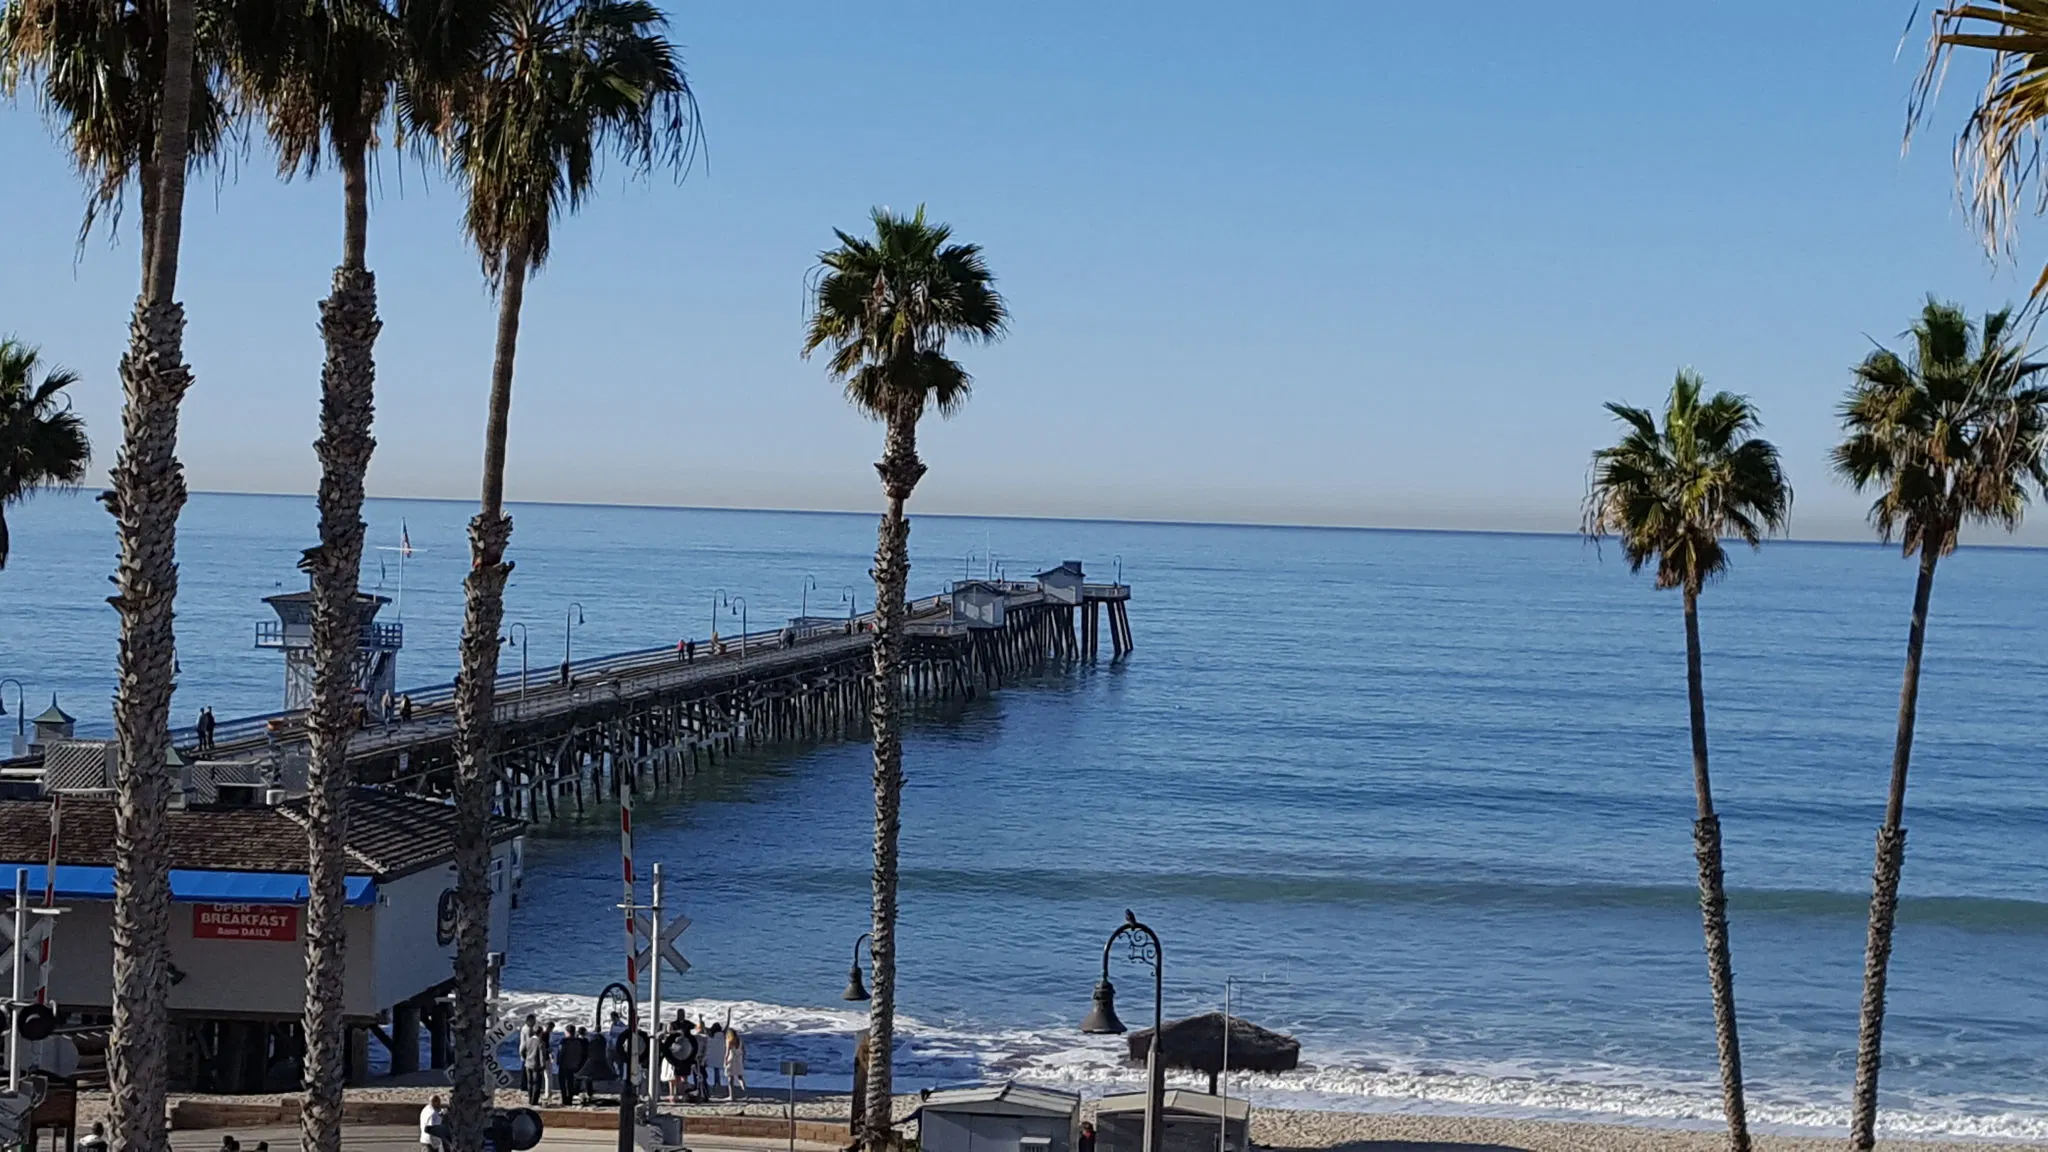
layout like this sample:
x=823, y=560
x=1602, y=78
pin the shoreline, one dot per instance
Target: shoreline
x=1279, y=1129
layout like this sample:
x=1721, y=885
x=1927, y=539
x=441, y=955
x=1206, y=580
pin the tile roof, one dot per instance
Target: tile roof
x=390, y=834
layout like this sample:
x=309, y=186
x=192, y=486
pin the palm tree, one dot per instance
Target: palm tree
x=42, y=441
x=1673, y=495
x=562, y=83
x=1995, y=152
x=130, y=89
x=887, y=306
x=1947, y=435
x=325, y=74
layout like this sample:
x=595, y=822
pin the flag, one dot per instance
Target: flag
x=404, y=542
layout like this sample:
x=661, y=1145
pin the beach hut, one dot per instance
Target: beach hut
x=1192, y=1121
x=1008, y=1117
x=978, y=603
x=1062, y=585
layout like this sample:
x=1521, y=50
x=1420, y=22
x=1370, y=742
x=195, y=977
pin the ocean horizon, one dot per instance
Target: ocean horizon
x=1424, y=793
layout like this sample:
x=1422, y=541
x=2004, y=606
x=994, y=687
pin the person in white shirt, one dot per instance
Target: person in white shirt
x=431, y=1117
x=735, y=1063
x=96, y=1140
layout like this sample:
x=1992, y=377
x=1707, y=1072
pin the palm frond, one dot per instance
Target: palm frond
x=561, y=85
x=42, y=441
x=1998, y=150
x=1671, y=494
x=886, y=307
x=1948, y=436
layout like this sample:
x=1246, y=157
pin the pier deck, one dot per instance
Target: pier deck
x=660, y=712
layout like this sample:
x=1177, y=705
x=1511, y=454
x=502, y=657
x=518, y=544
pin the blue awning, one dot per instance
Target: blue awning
x=191, y=885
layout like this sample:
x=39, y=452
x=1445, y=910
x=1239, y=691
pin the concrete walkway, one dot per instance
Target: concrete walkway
x=393, y=1138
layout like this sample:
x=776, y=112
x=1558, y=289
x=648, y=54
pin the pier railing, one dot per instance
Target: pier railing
x=599, y=677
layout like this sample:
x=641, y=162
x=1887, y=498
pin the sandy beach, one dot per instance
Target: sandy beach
x=1310, y=1131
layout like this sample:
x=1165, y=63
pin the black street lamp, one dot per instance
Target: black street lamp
x=1144, y=949
x=855, y=990
x=20, y=712
x=626, y=1100
x=573, y=618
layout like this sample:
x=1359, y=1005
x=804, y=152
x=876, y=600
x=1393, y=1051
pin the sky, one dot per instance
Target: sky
x=1333, y=263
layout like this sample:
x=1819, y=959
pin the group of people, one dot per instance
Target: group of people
x=694, y=1061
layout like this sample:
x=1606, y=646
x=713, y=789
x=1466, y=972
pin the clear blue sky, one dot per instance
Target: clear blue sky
x=1340, y=262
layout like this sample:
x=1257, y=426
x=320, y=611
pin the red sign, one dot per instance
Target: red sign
x=245, y=922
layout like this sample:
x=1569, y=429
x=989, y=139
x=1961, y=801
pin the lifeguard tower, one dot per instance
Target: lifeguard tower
x=292, y=632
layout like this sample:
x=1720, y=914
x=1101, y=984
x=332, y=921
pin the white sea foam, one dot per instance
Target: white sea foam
x=932, y=1054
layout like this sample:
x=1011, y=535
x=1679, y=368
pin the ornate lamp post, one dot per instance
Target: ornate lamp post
x=20, y=713
x=520, y=643
x=626, y=1096
x=573, y=618
x=739, y=608
x=1143, y=948
x=855, y=990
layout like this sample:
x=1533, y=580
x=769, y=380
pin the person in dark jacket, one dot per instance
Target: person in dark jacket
x=569, y=1057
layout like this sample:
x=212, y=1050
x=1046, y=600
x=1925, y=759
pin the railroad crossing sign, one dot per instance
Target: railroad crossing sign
x=39, y=929
x=672, y=927
x=493, y=1040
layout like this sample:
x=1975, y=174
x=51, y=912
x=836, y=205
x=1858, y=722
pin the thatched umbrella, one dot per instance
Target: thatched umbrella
x=1196, y=1045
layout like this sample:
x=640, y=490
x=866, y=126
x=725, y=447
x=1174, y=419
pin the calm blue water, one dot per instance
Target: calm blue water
x=1425, y=795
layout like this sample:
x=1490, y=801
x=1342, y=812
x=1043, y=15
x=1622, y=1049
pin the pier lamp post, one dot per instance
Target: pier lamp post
x=1143, y=944
x=522, y=644
x=717, y=602
x=626, y=1101
x=573, y=618
x=855, y=990
x=20, y=714
x=967, y=565
x=810, y=585
x=1119, y=568
x=852, y=604
x=739, y=608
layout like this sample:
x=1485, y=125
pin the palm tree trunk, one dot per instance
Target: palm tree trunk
x=349, y=325
x=149, y=188
x=484, y=596
x=1884, y=880
x=1706, y=839
x=148, y=491
x=900, y=470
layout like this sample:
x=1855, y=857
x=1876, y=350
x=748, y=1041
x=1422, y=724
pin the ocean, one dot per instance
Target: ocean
x=1424, y=797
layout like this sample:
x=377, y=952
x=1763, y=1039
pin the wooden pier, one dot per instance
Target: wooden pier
x=658, y=716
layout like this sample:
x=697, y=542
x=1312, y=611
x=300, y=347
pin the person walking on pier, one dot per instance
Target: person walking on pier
x=206, y=727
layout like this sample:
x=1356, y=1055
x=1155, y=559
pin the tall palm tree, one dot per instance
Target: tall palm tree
x=129, y=88
x=325, y=74
x=887, y=307
x=562, y=83
x=1673, y=495
x=42, y=441
x=1997, y=150
x=1947, y=435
